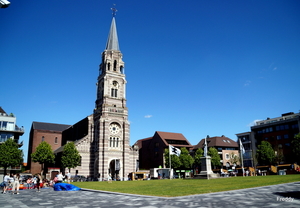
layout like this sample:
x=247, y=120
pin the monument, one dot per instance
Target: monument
x=206, y=172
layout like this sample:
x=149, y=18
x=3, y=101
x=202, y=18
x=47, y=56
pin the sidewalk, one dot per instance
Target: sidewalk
x=287, y=195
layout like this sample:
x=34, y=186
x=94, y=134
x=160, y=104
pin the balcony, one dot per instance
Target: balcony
x=16, y=129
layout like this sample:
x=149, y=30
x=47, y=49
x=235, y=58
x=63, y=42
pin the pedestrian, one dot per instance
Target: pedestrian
x=16, y=184
x=68, y=176
x=28, y=182
x=5, y=183
x=38, y=182
x=60, y=178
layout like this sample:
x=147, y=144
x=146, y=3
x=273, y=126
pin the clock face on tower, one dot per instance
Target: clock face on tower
x=114, y=128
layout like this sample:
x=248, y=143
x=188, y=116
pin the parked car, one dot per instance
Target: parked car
x=78, y=178
x=24, y=177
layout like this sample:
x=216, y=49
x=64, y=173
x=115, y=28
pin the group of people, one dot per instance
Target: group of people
x=60, y=178
x=13, y=181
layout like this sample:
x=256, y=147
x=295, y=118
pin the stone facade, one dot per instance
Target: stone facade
x=106, y=150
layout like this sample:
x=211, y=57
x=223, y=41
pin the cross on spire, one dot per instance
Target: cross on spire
x=114, y=10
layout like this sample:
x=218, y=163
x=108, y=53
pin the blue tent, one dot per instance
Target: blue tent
x=65, y=187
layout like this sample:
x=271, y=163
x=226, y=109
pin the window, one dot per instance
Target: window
x=114, y=92
x=55, y=140
x=286, y=136
x=278, y=137
x=115, y=65
x=227, y=156
x=113, y=142
x=43, y=138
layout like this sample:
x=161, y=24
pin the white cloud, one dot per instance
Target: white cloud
x=147, y=116
x=247, y=83
x=253, y=123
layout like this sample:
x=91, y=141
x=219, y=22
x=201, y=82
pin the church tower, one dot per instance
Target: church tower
x=114, y=156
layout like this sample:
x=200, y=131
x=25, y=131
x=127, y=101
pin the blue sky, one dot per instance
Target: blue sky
x=193, y=67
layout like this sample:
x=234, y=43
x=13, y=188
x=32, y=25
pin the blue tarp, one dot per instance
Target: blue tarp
x=65, y=187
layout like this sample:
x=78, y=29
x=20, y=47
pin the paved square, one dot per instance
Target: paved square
x=283, y=195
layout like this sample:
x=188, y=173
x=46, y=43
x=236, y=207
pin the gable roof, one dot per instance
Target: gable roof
x=221, y=141
x=168, y=137
x=49, y=126
x=2, y=111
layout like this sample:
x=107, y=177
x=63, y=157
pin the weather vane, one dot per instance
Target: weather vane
x=114, y=10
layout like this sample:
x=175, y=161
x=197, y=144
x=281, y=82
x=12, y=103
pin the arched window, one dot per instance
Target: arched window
x=122, y=69
x=115, y=65
x=108, y=66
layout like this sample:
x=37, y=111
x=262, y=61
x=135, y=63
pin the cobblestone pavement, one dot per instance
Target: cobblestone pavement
x=287, y=195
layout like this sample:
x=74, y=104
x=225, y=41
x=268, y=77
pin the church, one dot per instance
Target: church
x=102, y=138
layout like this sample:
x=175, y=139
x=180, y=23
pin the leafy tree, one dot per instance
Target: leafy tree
x=43, y=154
x=296, y=148
x=265, y=153
x=215, y=157
x=175, y=161
x=278, y=155
x=197, y=158
x=10, y=154
x=70, y=156
x=186, y=159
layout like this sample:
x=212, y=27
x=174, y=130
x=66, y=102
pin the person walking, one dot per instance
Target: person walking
x=16, y=184
x=5, y=183
x=38, y=182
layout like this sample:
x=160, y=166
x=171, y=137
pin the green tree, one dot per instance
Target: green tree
x=197, y=158
x=186, y=159
x=70, y=156
x=10, y=154
x=265, y=153
x=296, y=148
x=43, y=154
x=175, y=161
x=215, y=157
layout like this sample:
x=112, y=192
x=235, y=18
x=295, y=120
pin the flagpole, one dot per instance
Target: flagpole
x=241, y=150
x=170, y=162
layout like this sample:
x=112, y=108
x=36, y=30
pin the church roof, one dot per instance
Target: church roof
x=112, y=41
x=49, y=126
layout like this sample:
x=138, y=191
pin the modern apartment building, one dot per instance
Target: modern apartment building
x=9, y=129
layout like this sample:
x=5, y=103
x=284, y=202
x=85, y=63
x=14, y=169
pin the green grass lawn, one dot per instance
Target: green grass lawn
x=183, y=187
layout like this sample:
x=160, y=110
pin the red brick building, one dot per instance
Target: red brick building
x=151, y=149
x=48, y=132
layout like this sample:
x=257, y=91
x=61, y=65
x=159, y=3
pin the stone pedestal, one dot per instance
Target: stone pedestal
x=206, y=171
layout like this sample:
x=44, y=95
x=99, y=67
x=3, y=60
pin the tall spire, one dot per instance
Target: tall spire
x=112, y=41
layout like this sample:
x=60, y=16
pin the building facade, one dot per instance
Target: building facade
x=151, y=150
x=279, y=132
x=227, y=149
x=39, y=132
x=9, y=130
